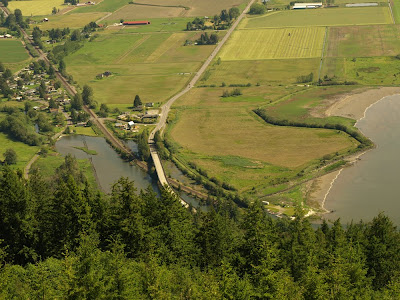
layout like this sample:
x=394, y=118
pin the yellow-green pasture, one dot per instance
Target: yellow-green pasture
x=36, y=7
x=363, y=41
x=155, y=66
x=70, y=20
x=225, y=138
x=321, y=17
x=274, y=44
x=381, y=70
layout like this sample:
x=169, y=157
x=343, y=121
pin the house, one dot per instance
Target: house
x=131, y=124
x=120, y=125
x=149, y=104
x=136, y=23
x=45, y=20
x=307, y=5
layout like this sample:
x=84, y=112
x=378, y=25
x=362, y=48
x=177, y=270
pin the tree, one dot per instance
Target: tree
x=18, y=16
x=7, y=74
x=257, y=9
x=2, y=67
x=77, y=102
x=234, y=12
x=10, y=157
x=87, y=95
x=76, y=35
x=54, y=11
x=137, y=102
x=5, y=2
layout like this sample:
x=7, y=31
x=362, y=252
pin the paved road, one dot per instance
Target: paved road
x=167, y=106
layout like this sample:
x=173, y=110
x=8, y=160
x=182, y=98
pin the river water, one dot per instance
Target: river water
x=107, y=163
x=372, y=185
x=110, y=167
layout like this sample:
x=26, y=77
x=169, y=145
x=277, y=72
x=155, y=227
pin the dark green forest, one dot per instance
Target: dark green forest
x=61, y=239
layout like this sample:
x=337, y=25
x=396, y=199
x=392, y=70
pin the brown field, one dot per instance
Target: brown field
x=132, y=12
x=197, y=7
x=226, y=129
x=363, y=41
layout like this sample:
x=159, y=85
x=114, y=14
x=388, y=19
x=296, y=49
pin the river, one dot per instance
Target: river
x=372, y=185
x=110, y=167
x=107, y=163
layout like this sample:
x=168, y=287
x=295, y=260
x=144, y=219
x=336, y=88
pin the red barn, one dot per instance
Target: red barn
x=136, y=23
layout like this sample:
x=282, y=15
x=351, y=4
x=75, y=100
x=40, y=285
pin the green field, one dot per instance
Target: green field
x=156, y=66
x=364, y=70
x=24, y=151
x=12, y=51
x=321, y=17
x=396, y=10
x=36, y=7
x=363, y=41
x=274, y=44
x=70, y=20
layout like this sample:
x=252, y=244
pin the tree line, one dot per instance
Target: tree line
x=60, y=238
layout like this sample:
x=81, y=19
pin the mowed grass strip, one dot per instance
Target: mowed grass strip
x=274, y=44
x=363, y=41
x=36, y=7
x=12, y=51
x=321, y=17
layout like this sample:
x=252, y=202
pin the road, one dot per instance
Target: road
x=167, y=106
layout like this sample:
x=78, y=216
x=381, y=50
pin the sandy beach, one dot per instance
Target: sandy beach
x=351, y=106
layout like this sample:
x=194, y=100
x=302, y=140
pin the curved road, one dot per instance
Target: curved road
x=167, y=106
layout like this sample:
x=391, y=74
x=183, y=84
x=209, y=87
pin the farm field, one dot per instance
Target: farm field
x=274, y=44
x=36, y=7
x=104, y=6
x=364, y=70
x=264, y=72
x=135, y=12
x=153, y=65
x=198, y=8
x=321, y=17
x=232, y=144
x=12, y=51
x=223, y=131
x=70, y=20
x=363, y=41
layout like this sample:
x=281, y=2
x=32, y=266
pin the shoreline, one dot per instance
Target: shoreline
x=353, y=106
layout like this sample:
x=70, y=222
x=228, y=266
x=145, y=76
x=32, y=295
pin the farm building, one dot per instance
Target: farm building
x=136, y=23
x=307, y=5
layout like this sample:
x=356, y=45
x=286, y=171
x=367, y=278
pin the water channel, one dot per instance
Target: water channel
x=372, y=185
x=108, y=165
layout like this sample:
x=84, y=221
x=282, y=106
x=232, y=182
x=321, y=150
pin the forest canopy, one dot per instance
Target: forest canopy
x=62, y=239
